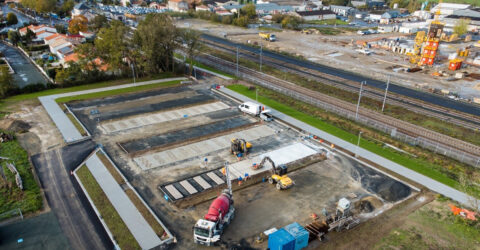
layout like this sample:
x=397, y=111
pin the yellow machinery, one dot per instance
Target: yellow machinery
x=267, y=36
x=417, y=47
x=238, y=146
x=279, y=175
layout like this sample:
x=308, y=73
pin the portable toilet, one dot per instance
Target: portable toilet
x=299, y=233
x=281, y=240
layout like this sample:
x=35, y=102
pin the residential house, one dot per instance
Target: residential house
x=43, y=34
x=63, y=52
x=89, y=36
x=223, y=13
x=316, y=15
x=50, y=39
x=157, y=6
x=79, y=9
x=202, y=8
x=264, y=9
x=76, y=39
x=221, y=3
x=387, y=16
x=178, y=5
x=36, y=29
x=58, y=44
x=341, y=10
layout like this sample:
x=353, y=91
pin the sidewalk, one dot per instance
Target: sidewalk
x=67, y=129
x=399, y=169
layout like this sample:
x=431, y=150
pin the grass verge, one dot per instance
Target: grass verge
x=115, y=224
x=77, y=125
x=116, y=175
x=11, y=197
x=145, y=213
x=328, y=22
x=439, y=168
x=117, y=91
x=203, y=66
x=433, y=227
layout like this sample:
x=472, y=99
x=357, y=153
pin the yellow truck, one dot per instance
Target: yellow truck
x=267, y=36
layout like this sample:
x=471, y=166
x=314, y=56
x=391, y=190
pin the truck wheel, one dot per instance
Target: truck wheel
x=270, y=180
x=279, y=187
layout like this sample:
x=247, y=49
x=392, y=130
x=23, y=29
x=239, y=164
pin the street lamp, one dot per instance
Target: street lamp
x=133, y=72
x=359, y=98
x=358, y=143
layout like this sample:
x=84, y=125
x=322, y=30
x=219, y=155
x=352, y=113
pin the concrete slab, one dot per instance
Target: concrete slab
x=136, y=223
x=201, y=148
x=185, y=184
x=202, y=182
x=174, y=192
x=164, y=116
x=215, y=178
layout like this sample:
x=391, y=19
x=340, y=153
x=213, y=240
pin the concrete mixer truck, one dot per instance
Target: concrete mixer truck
x=207, y=231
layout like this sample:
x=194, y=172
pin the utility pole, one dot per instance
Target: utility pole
x=359, y=97
x=261, y=49
x=237, y=60
x=386, y=91
x=358, y=143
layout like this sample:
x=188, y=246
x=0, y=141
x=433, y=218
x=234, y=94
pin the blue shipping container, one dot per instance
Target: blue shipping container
x=281, y=240
x=299, y=233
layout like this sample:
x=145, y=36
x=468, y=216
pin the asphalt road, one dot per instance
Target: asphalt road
x=427, y=97
x=25, y=72
x=75, y=215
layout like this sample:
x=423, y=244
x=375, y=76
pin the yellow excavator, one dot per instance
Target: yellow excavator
x=279, y=175
x=238, y=146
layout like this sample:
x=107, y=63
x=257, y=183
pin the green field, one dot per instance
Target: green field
x=420, y=165
x=117, y=91
x=328, y=22
x=115, y=224
x=11, y=197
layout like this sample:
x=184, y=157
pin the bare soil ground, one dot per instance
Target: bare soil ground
x=339, y=52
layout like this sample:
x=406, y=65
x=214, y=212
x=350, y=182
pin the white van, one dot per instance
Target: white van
x=250, y=108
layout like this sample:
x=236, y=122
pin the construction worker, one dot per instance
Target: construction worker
x=205, y=162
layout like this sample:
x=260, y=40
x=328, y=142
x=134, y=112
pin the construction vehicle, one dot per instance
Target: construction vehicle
x=279, y=174
x=238, y=146
x=267, y=36
x=207, y=231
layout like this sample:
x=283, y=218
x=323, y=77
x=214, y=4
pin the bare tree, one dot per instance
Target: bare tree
x=191, y=41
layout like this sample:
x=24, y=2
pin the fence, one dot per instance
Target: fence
x=422, y=142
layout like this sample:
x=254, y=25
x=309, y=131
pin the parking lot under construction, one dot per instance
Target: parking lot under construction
x=172, y=143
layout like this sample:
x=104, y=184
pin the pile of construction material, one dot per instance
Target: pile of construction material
x=18, y=179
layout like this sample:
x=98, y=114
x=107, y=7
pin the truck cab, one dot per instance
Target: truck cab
x=250, y=108
x=207, y=232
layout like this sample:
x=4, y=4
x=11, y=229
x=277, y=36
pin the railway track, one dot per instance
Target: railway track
x=305, y=94
x=452, y=116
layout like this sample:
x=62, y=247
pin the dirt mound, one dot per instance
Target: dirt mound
x=367, y=204
x=18, y=126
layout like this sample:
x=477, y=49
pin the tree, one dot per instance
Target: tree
x=291, y=22
x=249, y=10
x=67, y=6
x=29, y=36
x=61, y=28
x=112, y=45
x=461, y=26
x=98, y=22
x=11, y=18
x=45, y=6
x=77, y=24
x=156, y=37
x=191, y=39
x=6, y=82
x=241, y=21
x=14, y=37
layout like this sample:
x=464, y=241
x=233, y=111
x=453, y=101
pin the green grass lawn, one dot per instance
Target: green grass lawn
x=11, y=197
x=328, y=22
x=416, y=164
x=115, y=224
x=118, y=91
